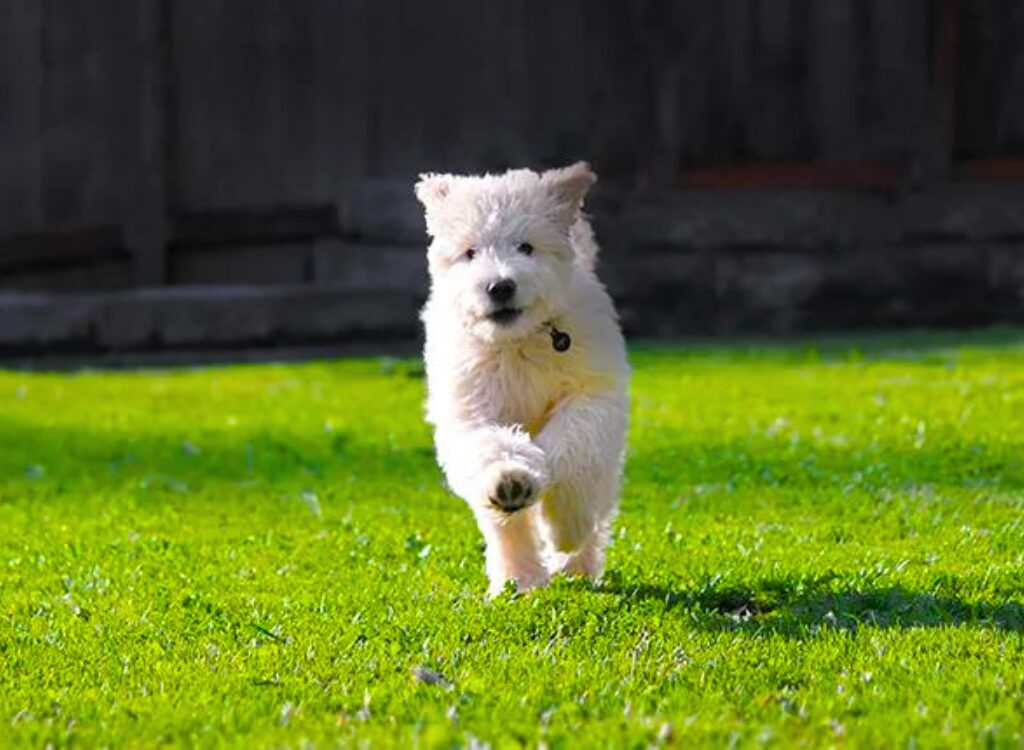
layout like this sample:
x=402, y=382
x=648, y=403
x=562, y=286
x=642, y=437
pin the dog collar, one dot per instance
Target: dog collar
x=560, y=340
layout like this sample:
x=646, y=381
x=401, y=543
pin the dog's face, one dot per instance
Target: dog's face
x=501, y=256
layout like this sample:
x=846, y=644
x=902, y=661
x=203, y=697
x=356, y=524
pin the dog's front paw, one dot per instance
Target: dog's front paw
x=512, y=486
x=522, y=581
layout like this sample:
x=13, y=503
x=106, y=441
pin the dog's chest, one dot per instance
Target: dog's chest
x=522, y=387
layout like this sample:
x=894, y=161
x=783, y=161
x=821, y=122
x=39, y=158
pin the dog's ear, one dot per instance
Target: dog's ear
x=432, y=189
x=568, y=187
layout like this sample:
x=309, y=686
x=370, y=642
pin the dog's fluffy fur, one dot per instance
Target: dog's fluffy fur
x=530, y=437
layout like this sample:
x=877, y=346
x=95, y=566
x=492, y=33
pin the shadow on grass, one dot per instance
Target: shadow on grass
x=799, y=610
x=28, y=449
x=920, y=345
x=774, y=462
x=45, y=455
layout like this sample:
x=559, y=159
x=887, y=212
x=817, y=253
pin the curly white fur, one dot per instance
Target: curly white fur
x=510, y=412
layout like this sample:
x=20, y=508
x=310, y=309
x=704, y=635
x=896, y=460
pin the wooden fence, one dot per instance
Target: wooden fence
x=271, y=144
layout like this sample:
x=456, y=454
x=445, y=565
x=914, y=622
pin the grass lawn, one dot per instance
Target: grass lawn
x=819, y=544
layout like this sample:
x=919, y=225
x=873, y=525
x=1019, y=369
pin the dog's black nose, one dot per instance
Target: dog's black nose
x=501, y=291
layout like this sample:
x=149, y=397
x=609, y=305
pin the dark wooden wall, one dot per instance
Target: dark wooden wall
x=990, y=81
x=158, y=143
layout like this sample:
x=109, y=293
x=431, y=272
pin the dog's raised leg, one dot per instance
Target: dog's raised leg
x=584, y=441
x=501, y=474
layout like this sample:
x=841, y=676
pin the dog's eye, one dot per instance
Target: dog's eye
x=526, y=248
x=469, y=254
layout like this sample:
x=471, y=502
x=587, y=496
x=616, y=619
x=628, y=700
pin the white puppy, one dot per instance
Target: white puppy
x=526, y=369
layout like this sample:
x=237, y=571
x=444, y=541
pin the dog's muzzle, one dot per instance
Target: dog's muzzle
x=505, y=315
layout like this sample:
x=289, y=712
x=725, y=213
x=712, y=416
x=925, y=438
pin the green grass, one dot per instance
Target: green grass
x=817, y=545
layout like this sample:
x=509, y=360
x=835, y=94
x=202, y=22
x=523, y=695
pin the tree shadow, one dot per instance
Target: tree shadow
x=935, y=346
x=772, y=462
x=235, y=454
x=42, y=455
x=804, y=609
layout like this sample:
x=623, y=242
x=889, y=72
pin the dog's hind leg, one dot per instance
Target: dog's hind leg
x=584, y=441
x=587, y=560
x=577, y=525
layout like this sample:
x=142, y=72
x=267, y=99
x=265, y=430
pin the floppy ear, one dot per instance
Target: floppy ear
x=432, y=189
x=568, y=187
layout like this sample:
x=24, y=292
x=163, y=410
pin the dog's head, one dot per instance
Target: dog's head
x=500, y=255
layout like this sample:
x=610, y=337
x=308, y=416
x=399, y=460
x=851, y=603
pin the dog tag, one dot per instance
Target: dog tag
x=560, y=340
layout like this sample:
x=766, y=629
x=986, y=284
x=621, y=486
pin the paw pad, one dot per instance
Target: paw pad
x=512, y=494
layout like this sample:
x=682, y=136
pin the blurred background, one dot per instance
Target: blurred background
x=224, y=175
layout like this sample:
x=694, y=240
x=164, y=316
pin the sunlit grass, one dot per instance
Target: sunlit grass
x=818, y=543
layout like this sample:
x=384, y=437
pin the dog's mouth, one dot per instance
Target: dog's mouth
x=505, y=315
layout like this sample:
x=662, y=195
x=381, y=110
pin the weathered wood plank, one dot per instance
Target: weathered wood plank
x=154, y=145
x=21, y=29
x=832, y=62
x=215, y=112
x=67, y=130
x=203, y=317
x=990, y=79
x=268, y=225
x=95, y=274
x=268, y=264
x=363, y=265
x=38, y=252
x=342, y=110
x=898, y=74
